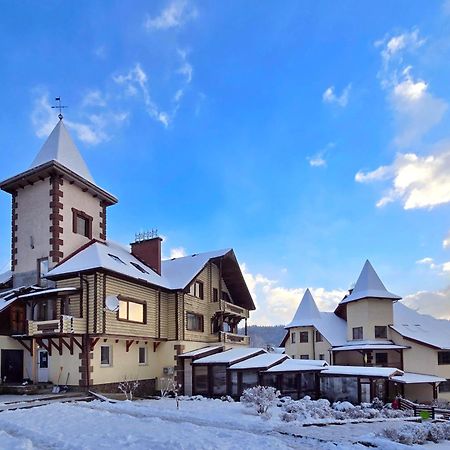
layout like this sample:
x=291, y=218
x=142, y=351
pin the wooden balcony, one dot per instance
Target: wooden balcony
x=63, y=325
x=230, y=309
x=232, y=338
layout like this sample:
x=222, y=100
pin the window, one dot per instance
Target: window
x=198, y=289
x=105, y=355
x=444, y=386
x=115, y=258
x=381, y=358
x=443, y=358
x=380, y=332
x=303, y=336
x=321, y=356
x=357, y=333
x=131, y=311
x=42, y=271
x=82, y=223
x=215, y=295
x=292, y=337
x=304, y=356
x=142, y=356
x=138, y=267
x=319, y=337
x=194, y=322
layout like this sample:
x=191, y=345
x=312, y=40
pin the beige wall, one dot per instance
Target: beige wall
x=74, y=197
x=368, y=313
x=33, y=219
x=311, y=348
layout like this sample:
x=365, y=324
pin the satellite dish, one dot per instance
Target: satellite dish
x=112, y=303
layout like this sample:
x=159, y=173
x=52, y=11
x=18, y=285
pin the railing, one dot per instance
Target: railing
x=65, y=324
x=234, y=309
x=232, y=338
x=424, y=411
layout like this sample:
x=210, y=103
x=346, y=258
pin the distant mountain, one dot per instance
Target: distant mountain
x=261, y=336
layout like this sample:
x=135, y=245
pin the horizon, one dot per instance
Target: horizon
x=308, y=138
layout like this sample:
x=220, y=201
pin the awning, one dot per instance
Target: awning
x=204, y=351
x=48, y=292
x=299, y=365
x=362, y=371
x=348, y=348
x=417, y=378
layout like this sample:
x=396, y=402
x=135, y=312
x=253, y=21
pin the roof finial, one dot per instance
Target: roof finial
x=59, y=106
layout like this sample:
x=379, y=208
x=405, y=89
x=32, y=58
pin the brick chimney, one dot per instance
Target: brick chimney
x=148, y=251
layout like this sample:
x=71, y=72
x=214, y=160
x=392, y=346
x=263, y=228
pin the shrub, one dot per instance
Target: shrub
x=261, y=398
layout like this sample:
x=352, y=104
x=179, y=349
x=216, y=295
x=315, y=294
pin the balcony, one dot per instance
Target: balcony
x=232, y=338
x=230, y=309
x=63, y=325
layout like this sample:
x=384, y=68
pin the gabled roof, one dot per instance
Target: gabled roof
x=60, y=147
x=263, y=361
x=382, y=372
x=231, y=356
x=299, y=365
x=421, y=327
x=330, y=326
x=369, y=285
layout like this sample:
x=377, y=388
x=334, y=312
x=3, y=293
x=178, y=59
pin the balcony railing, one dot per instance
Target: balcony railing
x=64, y=325
x=232, y=338
x=229, y=308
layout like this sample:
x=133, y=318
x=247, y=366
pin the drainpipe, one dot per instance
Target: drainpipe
x=86, y=350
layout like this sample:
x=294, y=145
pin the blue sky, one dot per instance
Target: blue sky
x=309, y=136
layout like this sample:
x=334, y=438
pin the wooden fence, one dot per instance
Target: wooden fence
x=424, y=411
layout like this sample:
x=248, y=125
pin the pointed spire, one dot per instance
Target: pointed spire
x=307, y=313
x=369, y=285
x=60, y=147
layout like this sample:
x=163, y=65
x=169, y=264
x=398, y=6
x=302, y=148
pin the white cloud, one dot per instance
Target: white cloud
x=186, y=68
x=446, y=241
x=94, y=98
x=177, y=252
x=329, y=96
x=417, y=181
x=318, y=159
x=93, y=130
x=277, y=304
x=442, y=269
x=395, y=46
x=435, y=303
x=174, y=15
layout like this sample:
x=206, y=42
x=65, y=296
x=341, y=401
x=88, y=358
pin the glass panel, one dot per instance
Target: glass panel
x=249, y=379
x=135, y=312
x=123, y=309
x=339, y=388
x=234, y=386
x=82, y=226
x=307, y=382
x=142, y=355
x=104, y=355
x=201, y=379
x=219, y=374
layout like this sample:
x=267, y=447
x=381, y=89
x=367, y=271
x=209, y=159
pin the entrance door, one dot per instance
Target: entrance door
x=42, y=361
x=365, y=392
x=187, y=377
x=12, y=366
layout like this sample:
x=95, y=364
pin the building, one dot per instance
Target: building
x=372, y=328
x=78, y=307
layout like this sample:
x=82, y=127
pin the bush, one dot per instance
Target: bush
x=418, y=433
x=261, y=398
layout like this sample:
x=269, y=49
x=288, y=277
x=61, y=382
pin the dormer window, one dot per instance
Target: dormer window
x=115, y=258
x=82, y=223
x=138, y=267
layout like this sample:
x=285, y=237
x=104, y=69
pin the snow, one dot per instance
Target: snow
x=197, y=425
x=412, y=378
x=201, y=351
x=307, y=312
x=48, y=291
x=369, y=285
x=383, y=372
x=299, y=365
x=380, y=346
x=5, y=276
x=60, y=147
x=421, y=327
x=175, y=273
x=230, y=356
x=259, y=362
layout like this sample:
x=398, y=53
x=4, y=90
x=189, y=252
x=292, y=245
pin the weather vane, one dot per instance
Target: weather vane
x=59, y=106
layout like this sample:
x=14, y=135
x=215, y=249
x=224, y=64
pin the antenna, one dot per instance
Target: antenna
x=146, y=235
x=59, y=106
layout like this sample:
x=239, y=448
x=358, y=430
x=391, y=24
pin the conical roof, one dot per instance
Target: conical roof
x=369, y=285
x=60, y=147
x=307, y=312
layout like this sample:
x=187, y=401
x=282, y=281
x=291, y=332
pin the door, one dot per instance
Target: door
x=187, y=377
x=365, y=393
x=12, y=366
x=17, y=318
x=42, y=362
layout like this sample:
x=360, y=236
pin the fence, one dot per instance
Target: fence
x=424, y=411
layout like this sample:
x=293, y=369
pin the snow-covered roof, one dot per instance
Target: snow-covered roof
x=230, y=356
x=389, y=345
x=5, y=276
x=414, y=378
x=421, y=327
x=329, y=325
x=201, y=351
x=299, y=365
x=175, y=273
x=262, y=361
x=47, y=292
x=4, y=303
x=382, y=372
x=181, y=271
x=60, y=147
x=369, y=285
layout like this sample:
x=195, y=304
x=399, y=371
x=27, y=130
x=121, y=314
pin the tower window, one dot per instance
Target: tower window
x=303, y=336
x=82, y=223
x=357, y=333
x=42, y=271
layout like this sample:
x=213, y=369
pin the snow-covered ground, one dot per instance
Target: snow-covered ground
x=157, y=424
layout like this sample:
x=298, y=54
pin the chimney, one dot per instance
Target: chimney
x=149, y=251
